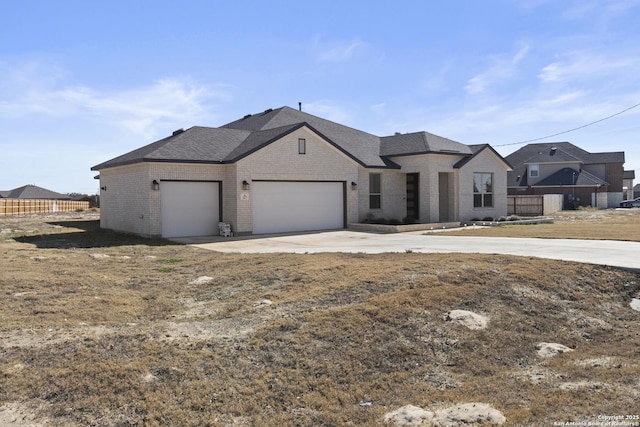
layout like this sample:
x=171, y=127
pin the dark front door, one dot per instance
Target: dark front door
x=413, y=200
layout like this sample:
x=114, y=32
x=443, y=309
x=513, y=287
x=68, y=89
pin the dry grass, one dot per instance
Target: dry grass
x=611, y=224
x=127, y=339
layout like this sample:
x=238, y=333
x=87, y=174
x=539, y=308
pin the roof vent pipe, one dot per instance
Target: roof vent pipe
x=299, y=106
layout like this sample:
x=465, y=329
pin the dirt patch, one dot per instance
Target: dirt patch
x=139, y=337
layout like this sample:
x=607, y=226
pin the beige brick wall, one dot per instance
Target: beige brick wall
x=124, y=199
x=485, y=162
x=429, y=166
x=129, y=204
x=393, y=194
x=280, y=161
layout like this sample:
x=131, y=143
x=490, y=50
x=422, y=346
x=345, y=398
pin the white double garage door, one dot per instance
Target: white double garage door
x=194, y=208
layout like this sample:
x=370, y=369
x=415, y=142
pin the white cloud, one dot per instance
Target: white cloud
x=501, y=68
x=581, y=64
x=337, y=51
x=175, y=101
x=605, y=10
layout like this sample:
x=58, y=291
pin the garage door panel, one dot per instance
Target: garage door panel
x=189, y=208
x=297, y=206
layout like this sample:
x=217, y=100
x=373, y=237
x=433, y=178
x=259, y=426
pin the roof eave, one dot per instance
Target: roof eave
x=109, y=165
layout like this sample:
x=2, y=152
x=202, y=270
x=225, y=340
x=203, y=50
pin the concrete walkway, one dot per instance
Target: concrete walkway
x=603, y=252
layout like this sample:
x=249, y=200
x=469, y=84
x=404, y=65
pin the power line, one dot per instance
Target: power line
x=570, y=130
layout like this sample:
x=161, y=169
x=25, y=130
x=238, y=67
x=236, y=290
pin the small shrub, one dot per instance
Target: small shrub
x=488, y=218
x=475, y=219
x=514, y=218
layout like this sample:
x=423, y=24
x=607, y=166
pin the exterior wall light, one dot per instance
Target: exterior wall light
x=245, y=185
x=354, y=186
x=155, y=185
x=103, y=188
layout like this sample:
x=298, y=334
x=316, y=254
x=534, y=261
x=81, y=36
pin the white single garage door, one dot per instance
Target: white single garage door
x=282, y=206
x=189, y=208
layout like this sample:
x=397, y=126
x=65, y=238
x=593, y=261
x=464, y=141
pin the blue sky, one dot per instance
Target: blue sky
x=84, y=81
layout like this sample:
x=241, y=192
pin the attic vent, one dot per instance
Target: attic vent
x=268, y=111
x=178, y=132
x=398, y=133
x=246, y=117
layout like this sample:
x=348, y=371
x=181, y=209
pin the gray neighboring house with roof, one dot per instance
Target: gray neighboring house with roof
x=585, y=179
x=33, y=192
x=284, y=170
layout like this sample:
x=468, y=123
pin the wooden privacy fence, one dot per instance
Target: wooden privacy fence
x=525, y=205
x=30, y=206
x=535, y=205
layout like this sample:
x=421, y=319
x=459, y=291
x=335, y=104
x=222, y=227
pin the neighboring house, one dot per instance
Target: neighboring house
x=31, y=199
x=636, y=191
x=627, y=184
x=585, y=179
x=285, y=170
x=33, y=192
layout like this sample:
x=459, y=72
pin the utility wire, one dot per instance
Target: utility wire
x=570, y=130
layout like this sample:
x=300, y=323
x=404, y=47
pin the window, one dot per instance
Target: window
x=302, y=146
x=482, y=190
x=375, y=201
x=534, y=170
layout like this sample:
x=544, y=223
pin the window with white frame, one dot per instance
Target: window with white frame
x=482, y=190
x=534, y=170
x=375, y=191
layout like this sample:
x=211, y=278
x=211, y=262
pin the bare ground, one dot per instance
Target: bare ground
x=104, y=329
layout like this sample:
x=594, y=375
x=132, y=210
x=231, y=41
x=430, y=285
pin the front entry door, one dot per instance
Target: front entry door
x=413, y=200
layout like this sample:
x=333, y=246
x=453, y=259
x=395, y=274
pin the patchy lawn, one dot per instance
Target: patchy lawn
x=592, y=224
x=103, y=329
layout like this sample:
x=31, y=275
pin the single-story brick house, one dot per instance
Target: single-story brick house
x=584, y=178
x=285, y=170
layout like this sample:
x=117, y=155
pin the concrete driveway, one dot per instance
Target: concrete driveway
x=603, y=252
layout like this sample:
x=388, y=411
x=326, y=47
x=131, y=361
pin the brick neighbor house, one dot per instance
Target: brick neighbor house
x=585, y=179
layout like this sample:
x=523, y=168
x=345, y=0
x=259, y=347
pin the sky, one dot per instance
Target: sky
x=84, y=81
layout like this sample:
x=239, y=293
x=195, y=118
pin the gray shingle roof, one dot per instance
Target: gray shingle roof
x=477, y=149
x=34, y=192
x=569, y=176
x=564, y=151
x=194, y=145
x=361, y=146
x=419, y=143
x=237, y=139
